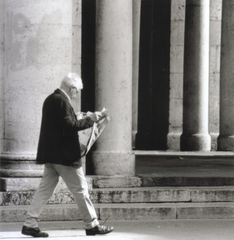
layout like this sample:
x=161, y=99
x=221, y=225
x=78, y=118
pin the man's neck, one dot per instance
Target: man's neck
x=65, y=94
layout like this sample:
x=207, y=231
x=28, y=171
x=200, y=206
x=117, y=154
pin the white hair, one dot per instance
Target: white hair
x=72, y=80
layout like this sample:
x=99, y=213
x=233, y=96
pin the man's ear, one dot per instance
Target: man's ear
x=73, y=91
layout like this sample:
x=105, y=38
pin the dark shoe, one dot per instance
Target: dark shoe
x=34, y=232
x=99, y=229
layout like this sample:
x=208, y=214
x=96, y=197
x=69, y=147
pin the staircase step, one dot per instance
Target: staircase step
x=185, y=164
x=129, y=195
x=23, y=166
x=169, y=168
x=142, y=211
x=150, y=180
x=115, y=181
x=31, y=184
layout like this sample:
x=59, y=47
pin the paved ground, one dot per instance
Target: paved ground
x=133, y=230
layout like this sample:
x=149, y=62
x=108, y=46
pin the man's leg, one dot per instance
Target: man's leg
x=46, y=188
x=76, y=183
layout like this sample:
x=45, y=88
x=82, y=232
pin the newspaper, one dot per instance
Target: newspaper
x=88, y=136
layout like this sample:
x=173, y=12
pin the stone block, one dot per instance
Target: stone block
x=214, y=107
x=215, y=33
x=20, y=173
x=177, y=59
x=176, y=114
x=112, y=163
x=43, y=44
x=178, y=9
x=214, y=142
x=115, y=181
x=206, y=211
x=49, y=13
x=173, y=140
x=137, y=212
x=140, y=195
x=186, y=181
x=31, y=184
x=2, y=12
x=214, y=59
x=213, y=195
x=176, y=86
x=59, y=212
x=177, y=33
x=2, y=41
x=76, y=12
x=216, y=9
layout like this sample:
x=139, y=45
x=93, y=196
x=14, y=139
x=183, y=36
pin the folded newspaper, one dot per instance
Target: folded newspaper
x=88, y=136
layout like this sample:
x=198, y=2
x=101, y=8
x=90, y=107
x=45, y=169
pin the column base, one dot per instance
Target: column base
x=225, y=143
x=173, y=141
x=195, y=142
x=23, y=165
x=113, y=163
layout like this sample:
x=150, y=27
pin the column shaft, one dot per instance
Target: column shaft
x=195, y=135
x=226, y=137
x=135, y=66
x=113, y=154
x=42, y=44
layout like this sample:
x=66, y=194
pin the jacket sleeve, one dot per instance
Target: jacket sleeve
x=68, y=119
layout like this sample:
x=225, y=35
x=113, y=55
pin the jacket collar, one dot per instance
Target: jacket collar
x=60, y=91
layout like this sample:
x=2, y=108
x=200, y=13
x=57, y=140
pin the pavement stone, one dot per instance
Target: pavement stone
x=132, y=230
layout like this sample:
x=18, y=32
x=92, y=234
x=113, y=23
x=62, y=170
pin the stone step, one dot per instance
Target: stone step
x=31, y=184
x=23, y=166
x=143, y=211
x=144, y=180
x=185, y=164
x=129, y=195
x=151, y=180
x=169, y=168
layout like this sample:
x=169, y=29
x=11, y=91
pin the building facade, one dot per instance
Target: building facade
x=163, y=69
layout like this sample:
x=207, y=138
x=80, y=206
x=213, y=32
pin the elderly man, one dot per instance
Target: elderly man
x=59, y=150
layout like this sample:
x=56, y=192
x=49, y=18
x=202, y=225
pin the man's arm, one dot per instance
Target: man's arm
x=69, y=120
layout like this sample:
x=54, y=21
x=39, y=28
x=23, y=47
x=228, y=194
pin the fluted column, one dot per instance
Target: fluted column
x=113, y=154
x=226, y=137
x=195, y=135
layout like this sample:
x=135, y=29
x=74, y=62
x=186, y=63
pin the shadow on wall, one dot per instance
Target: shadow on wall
x=154, y=67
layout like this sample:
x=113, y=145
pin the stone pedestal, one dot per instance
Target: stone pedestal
x=195, y=135
x=226, y=137
x=113, y=155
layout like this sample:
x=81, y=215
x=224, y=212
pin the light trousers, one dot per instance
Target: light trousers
x=76, y=183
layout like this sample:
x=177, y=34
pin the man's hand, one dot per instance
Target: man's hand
x=77, y=163
x=95, y=116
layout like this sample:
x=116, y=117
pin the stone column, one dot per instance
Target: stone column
x=195, y=135
x=113, y=154
x=41, y=46
x=2, y=58
x=135, y=66
x=226, y=137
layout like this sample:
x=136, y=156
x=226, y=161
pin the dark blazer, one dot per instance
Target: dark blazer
x=59, y=141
